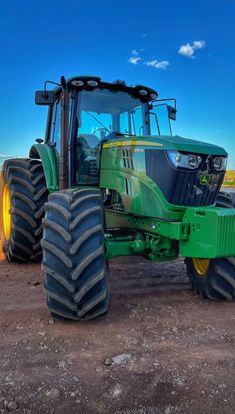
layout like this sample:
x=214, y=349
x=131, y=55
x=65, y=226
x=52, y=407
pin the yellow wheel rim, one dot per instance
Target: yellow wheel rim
x=6, y=213
x=201, y=266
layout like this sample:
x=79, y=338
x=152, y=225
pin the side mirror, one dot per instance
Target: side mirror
x=44, y=97
x=171, y=112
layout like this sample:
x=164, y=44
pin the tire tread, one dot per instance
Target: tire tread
x=73, y=255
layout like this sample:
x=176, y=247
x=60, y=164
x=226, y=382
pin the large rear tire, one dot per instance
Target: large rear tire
x=76, y=281
x=214, y=279
x=23, y=195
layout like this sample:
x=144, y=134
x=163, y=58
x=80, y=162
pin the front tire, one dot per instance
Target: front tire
x=215, y=278
x=23, y=195
x=76, y=281
x=226, y=199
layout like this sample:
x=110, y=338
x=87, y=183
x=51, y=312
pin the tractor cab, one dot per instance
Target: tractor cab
x=96, y=112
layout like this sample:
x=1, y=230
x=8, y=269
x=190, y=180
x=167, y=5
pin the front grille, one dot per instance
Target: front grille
x=188, y=191
x=180, y=186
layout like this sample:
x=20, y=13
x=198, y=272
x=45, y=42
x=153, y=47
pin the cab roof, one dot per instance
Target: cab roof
x=81, y=82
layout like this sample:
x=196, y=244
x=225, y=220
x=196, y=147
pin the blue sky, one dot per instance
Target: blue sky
x=138, y=41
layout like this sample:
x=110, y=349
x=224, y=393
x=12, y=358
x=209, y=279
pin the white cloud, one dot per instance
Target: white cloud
x=134, y=52
x=199, y=44
x=188, y=50
x=158, y=64
x=134, y=60
x=5, y=156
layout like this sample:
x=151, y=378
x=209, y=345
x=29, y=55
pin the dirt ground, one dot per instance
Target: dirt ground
x=159, y=350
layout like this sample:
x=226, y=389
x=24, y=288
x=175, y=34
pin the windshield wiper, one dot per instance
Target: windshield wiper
x=123, y=135
x=97, y=120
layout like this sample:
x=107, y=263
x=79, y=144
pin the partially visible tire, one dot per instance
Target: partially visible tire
x=226, y=199
x=2, y=256
x=218, y=280
x=214, y=279
x=76, y=280
x=23, y=195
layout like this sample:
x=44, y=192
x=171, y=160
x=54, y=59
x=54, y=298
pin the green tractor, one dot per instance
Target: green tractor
x=110, y=180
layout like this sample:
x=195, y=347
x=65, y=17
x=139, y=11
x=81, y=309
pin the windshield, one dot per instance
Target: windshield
x=159, y=120
x=103, y=113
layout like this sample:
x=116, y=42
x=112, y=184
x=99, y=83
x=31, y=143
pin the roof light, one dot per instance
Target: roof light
x=77, y=83
x=92, y=83
x=153, y=96
x=143, y=92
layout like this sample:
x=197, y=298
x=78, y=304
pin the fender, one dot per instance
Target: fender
x=50, y=162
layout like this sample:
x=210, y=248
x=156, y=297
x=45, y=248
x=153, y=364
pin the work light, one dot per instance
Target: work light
x=77, y=83
x=143, y=92
x=92, y=83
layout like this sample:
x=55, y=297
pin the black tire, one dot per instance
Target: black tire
x=226, y=199
x=76, y=280
x=25, y=180
x=218, y=282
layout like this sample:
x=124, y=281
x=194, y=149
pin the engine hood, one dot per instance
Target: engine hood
x=185, y=144
x=166, y=142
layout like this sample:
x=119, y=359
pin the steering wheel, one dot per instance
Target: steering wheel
x=101, y=129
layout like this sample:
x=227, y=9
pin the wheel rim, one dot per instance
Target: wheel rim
x=201, y=266
x=6, y=214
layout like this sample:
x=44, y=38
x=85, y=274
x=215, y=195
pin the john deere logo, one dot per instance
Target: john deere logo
x=204, y=179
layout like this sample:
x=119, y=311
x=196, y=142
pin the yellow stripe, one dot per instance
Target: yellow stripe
x=126, y=143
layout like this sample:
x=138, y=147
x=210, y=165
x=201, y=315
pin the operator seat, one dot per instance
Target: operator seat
x=88, y=158
x=89, y=140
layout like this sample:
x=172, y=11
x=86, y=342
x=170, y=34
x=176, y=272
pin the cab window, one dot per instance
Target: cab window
x=55, y=126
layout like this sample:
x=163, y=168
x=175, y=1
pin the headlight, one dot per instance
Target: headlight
x=220, y=163
x=189, y=161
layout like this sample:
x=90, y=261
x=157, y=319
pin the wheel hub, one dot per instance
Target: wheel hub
x=201, y=266
x=6, y=213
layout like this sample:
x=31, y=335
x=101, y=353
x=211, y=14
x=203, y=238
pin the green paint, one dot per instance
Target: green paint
x=177, y=143
x=140, y=195
x=206, y=232
x=211, y=233
x=147, y=245
x=143, y=196
x=173, y=230
x=50, y=162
